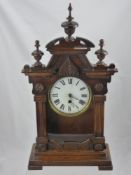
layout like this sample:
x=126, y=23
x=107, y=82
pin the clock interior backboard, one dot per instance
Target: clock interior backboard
x=82, y=124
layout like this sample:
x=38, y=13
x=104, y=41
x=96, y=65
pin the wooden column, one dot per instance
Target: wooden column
x=41, y=119
x=99, y=115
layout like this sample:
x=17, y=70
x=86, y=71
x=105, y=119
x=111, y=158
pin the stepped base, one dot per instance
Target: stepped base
x=101, y=159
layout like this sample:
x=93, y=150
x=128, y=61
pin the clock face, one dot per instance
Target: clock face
x=70, y=96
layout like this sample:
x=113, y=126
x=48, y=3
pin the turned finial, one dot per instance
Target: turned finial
x=70, y=18
x=37, y=54
x=101, y=53
x=69, y=25
x=37, y=44
x=101, y=44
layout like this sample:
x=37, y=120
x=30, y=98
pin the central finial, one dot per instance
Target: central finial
x=69, y=25
x=70, y=18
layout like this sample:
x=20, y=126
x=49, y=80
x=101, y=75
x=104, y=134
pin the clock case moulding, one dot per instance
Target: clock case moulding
x=76, y=140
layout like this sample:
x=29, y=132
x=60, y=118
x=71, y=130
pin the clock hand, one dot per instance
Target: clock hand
x=72, y=96
x=70, y=101
x=80, y=101
x=75, y=98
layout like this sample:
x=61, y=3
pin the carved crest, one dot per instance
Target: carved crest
x=68, y=69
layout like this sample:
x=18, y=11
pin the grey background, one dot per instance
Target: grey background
x=24, y=21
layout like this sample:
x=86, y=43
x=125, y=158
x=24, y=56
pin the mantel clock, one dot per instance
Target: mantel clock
x=70, y=93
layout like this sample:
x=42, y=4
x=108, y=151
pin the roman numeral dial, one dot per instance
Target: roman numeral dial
x=69, y=96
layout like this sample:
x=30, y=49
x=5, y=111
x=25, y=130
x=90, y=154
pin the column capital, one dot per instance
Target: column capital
x=40, y=98
x=99, y=98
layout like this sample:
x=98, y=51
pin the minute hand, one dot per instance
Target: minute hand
x=80, y=101
x=75, y=97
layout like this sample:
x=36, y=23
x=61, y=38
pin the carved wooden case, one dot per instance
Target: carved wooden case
x=76, y=140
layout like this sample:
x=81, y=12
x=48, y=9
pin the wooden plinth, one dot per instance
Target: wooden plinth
x=101, y=159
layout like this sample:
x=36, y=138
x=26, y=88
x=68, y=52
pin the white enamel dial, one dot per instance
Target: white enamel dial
x=69, y=96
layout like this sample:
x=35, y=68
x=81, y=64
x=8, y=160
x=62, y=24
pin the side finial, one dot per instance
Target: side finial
x=37, y=54
x=69, y=25
x=101, y=44
x=101, y=53
x=37, y=44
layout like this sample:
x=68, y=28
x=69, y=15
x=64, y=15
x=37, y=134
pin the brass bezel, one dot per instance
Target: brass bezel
x=74, y=114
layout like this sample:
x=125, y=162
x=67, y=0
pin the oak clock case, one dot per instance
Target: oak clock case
x=69, y=94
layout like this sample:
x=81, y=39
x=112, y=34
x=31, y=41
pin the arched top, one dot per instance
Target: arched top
x=62, y=46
